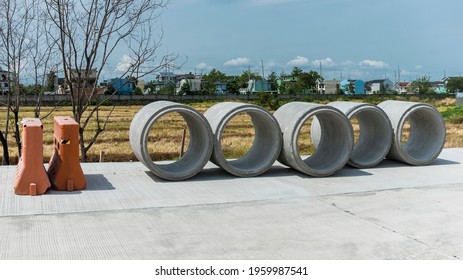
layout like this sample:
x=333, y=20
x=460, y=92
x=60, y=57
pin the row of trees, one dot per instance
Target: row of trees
x=42, y=37
x=297, y=81
x=423, y=85
x=455, y=84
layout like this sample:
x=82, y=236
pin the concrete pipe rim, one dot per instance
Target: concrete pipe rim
x=198, y=152
x=375, y=136
x=326, y=160
x=258, y=159
x=421, y=150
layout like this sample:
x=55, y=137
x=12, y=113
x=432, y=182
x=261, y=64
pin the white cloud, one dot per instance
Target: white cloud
x=348, y=63
x=418, y=66
x=324, y=62
x=202, y=65
x=239, y=61
x=298, y=61
x=125, y=63
x=374, y=63
x=271, y=64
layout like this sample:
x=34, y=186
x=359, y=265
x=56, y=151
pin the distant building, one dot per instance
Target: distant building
x=80, y=78
x=285, y=82
x=141, y=85
x=327, y=86
x=403, y=88
x=377, y=86
x=194, y=84
x=446, y=79
x=352, y=86
x=167, y=79
x=6, y=78
x=220, y=87
x=82, y=81
x=255, y=86
x=121, y=86
x=438, y=87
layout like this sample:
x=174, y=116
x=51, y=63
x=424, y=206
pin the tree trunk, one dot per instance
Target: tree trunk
x=17, y=135
x=6, y=155
x=83, y=151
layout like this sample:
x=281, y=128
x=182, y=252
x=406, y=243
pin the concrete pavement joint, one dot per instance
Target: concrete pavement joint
x=390, y=229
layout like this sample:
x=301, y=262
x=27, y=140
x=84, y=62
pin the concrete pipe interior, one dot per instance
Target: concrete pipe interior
x=373, y=137
x=165, y=137
x=237, y=136
x=196, y=138
x=262, y=153
x=333, y=142
x=426, y=134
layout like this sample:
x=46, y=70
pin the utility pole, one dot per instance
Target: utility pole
x=398, y=72
x=263, y=74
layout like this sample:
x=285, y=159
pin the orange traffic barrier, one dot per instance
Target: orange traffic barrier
x=64, y=171
x=31, y=176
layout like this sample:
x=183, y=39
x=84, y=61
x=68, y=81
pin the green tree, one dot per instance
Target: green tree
x=233, y=85
x=272, y=79
x=137, y=91
x=151, y=85
x=215, y=76
x=296, y=71
x=455, y=84
x=422, y=85
x=207, y=87
x=51, y=77
x=185, y=89
x=246, y=76
x=309, y=80
x=110, y=90
x=302, y=82
x=169, y=88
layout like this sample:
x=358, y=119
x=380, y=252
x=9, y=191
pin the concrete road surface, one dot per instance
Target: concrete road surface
x=392, y=211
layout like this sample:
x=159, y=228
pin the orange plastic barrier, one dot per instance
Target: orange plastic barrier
x=31, y=176
x=65, y=172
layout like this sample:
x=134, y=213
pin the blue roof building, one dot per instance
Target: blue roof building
x=122, y=86
x=352, y=86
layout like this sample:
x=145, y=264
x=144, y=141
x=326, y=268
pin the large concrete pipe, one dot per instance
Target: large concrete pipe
x=199, y=148
x=427, y=131
x=375, y=136
x=336, y=138
x=267, y=139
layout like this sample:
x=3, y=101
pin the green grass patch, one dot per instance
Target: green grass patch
x=453, y=115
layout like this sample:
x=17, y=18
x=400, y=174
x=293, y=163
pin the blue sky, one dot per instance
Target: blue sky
x=361, y=39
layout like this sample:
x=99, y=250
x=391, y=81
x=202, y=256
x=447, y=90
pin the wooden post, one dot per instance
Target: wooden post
x=182, y=145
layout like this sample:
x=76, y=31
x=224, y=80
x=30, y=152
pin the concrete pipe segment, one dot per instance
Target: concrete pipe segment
x=200, y=144
x=336, y=138
x=427, y=131
x=267, y=139
x=375, y=136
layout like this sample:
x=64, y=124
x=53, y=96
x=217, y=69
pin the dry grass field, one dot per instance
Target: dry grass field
x=165, y=137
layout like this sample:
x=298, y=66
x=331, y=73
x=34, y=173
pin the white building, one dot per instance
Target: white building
x=377, y=86
x=5, y=79
x=327, y=86
x=193, y=83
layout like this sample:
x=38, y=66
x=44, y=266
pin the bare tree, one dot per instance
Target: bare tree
x=15, y=26
x=92, y=33
x=42, y=56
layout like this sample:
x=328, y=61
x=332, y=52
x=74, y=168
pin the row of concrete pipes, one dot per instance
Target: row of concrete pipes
x=276, y=136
